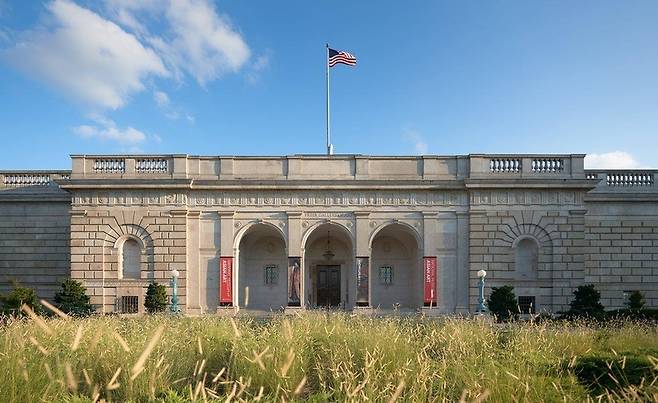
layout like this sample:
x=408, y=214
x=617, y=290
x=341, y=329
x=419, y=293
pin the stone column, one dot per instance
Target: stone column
x=192, y=269
x=362, y=250
x=429, y=249
x=462, y=285
x=226, y=233
x=446, y=246
x=295, y=250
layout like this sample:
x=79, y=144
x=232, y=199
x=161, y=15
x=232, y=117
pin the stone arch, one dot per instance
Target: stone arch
x=327, y=279
x=130, y=251
x=115, y=238
x=396, y=267
x=410, y=228
x=528, y=237
x=342, y=228
x=237, y=238
x=526, y=256
x=261, y=262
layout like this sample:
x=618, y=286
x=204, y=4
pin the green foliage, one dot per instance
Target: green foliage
x=607, y=372
x=12, y=302
x=333, y=356
x=156, y=298
x=636, y=300
x=72, y=299
x=586, y=302
x=502, y=303
x=645, y=314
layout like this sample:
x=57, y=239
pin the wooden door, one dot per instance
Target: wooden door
x=328, y=286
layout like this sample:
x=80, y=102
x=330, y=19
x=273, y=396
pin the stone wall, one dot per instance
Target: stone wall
x=554, y=220
x=623, y=250
x=34, y=244
x=95, y=236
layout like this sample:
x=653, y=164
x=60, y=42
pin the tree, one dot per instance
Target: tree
x=73, y=299
x=156, y=298
x=586, y=302
x=636, y=300
x=502, y=303
x=12, y=302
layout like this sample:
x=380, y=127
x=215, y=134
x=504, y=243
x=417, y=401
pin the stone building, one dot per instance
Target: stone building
x=348, y=231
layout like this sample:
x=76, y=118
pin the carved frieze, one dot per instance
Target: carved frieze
x=526, y=197
x=271, y=198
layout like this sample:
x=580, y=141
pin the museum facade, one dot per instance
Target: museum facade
x=352, y=232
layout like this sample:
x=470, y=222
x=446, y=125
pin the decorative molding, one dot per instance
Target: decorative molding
x=270, y=198
x=526, y=197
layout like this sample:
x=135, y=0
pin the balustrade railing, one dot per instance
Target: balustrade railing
x=26, y=178
x=629, y=179
x=152, y=165
x=505, y=165
x=110, y=165
x=547, y=165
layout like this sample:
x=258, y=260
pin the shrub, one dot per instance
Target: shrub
x=156, y=298
x=73, y=299
x=12, y=302
x=586, y=302
x=636, y=300
x=502, y=303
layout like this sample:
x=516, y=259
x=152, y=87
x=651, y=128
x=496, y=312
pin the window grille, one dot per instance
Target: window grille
x=386, y=275
x=129, y=304
x=271, y=274
x=526, y=304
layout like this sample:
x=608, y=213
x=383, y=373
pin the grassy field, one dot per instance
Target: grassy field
x=323, y=357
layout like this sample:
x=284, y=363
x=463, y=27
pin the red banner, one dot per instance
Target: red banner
x=225, y=280
x=429, y=280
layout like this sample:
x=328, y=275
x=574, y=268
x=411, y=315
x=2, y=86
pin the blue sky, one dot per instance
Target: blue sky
x=248, y=78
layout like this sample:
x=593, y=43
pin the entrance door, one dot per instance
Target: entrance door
x=328, y=286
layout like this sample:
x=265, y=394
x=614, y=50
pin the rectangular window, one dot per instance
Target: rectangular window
x=386, y=275
x=129, y=304
x=271, y=274
x=526, y=304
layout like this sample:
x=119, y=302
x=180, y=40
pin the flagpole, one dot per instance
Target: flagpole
x=328, y=121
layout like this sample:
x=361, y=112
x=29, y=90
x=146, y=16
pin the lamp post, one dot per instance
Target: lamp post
x=481, y=275
x=174, y=291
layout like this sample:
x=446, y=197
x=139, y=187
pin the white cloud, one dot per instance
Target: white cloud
x=195, y=39
x=161, y=99
x=86, y=56
x=106, y=129
x=419, y=143
x=257, y=67
x=611, y=160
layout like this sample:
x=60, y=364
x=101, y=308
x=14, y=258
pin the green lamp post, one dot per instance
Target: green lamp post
x=481, y=275
x=174, y=291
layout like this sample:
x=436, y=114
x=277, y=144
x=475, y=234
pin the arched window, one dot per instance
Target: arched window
x=130, y=259
x=527, y=257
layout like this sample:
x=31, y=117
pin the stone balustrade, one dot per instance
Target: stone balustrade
x=152, y=165
x=526, y=166
x=550, y=165
x=623, y=178
x=14, y=179
x=497, y=165
x=109, y=165
x=335, y=167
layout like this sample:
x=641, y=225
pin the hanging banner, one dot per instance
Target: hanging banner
x=362, y=281
x=429, y=280
x=294, y=281
x=226, y=281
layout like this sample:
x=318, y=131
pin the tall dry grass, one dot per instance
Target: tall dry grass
x=314, y=356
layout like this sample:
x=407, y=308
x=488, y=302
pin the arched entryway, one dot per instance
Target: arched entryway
x=328, y=264
x=396, y=268
x=262, y=268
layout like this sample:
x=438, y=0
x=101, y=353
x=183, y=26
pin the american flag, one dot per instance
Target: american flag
x=340, y=57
